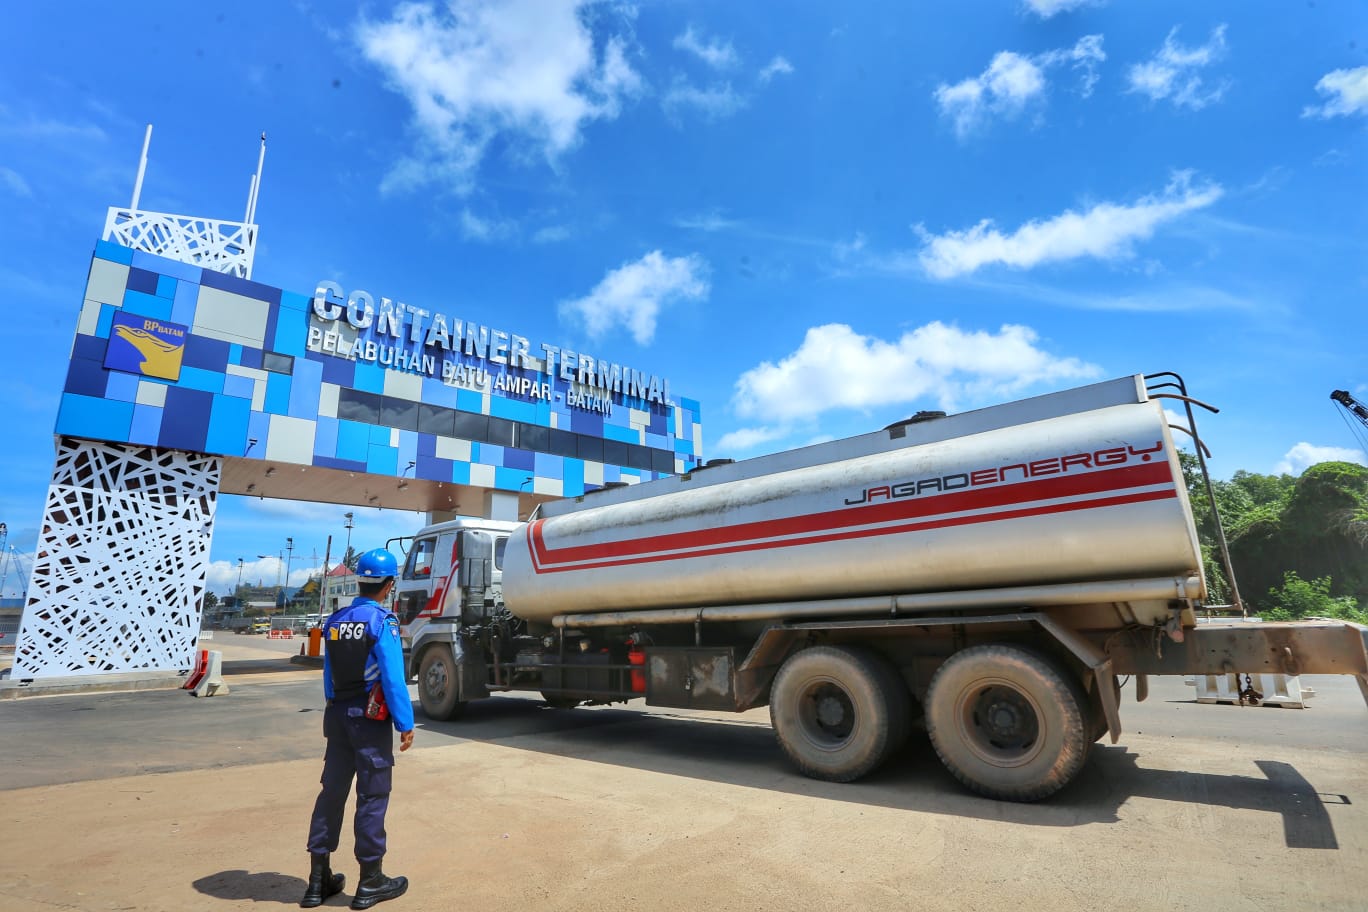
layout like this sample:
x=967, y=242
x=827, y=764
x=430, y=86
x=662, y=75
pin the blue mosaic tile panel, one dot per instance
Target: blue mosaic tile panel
x=208, y=409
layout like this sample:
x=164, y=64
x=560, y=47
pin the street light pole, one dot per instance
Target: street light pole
x=237, y=593
x=280, y=563
x=289, y=546
x=4, y=557
x=348, y=524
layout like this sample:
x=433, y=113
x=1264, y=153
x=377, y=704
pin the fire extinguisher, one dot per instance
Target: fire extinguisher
x=636, y=657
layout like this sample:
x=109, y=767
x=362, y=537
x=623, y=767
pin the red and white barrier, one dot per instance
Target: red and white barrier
x=1277, y=690
x=197, y=671
x=211, y=682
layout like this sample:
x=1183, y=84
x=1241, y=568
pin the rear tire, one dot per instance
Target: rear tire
x=839, y=712
x=1008, y=722
x=438, y=686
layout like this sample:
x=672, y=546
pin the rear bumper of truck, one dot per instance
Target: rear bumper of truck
x=1291, y=648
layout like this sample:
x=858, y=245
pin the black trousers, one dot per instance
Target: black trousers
x=358, y=748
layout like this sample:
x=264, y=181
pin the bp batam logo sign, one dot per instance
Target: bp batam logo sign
x=142, y=345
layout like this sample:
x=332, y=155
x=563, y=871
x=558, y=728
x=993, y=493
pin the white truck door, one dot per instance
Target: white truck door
x=414, y=586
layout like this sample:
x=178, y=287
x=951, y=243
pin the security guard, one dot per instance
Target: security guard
x=361, y=649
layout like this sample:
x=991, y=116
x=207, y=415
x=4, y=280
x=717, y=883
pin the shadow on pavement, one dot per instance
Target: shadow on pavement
x=262, y=666
x=744, y=752
x=266, y=886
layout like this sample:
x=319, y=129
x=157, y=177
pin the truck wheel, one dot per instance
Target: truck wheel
x=1008, y=722
x=437, y=686
x=839, y=711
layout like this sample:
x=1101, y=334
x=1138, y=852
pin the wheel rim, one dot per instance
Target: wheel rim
x=999, y=722
x=826, y=714
x=435, y=682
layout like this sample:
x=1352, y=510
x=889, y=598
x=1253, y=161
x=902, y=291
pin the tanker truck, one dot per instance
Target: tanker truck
x=990, y=576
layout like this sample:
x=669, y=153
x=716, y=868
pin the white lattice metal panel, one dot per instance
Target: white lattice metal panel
x=221, y=246
x=120, y=571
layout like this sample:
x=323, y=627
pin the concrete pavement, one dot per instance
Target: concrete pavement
x=158, y=801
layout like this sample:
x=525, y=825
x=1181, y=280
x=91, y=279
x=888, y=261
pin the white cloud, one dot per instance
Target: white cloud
x=706, y=221
x=716, y=53
x=1347, y=91
x=477, y=228
x=35, y=129
x=837, y=368
x=1084, y=57
x=633, y=295
x=1048, y=8
x=776, y=67
x=1304, y=455
x=1004, y=88
x=551, y=234
x=1149, y=297
x=1175, y=72
x=476, y=69
x=719, y=99
x=222, y=576
x=1104, y=231
x=713, y=103
x=10, y=179
x=745, y=439
x=1330, y=158
x=1012, y=82
x=1178, y=420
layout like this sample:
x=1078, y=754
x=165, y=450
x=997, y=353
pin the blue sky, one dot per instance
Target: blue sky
x=814, y=218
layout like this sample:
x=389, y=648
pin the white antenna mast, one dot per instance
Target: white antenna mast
x=220, y=245
x=255, y=188
x=142, y=169
x=251, y=191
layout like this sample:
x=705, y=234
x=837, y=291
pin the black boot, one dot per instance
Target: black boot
x=322, y=882
x=376, y=887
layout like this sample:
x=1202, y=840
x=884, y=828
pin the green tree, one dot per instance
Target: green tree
x=1319, y=530
x=1264, y=489
x=1231, y=503
x=1315, y=525
x=210, y=600
x=1232, y=500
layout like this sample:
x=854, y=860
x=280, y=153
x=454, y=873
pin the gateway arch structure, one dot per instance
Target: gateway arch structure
x=188, y=380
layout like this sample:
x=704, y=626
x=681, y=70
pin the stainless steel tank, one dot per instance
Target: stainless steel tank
x=1081, y=494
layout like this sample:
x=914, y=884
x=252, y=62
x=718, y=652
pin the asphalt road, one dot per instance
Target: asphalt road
x=277, y=716
x=518, y=805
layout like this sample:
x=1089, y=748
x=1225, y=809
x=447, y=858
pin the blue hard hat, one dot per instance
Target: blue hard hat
x=377, y=564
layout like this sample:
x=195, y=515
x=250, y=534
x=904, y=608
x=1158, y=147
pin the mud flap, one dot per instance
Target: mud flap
x=472, y=675
x=1100, y=665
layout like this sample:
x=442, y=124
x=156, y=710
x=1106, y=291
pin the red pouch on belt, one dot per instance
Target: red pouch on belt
x=375, y=704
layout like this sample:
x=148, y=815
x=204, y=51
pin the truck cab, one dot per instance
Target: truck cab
x=452, y=575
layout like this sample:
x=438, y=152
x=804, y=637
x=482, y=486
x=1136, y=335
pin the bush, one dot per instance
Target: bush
x=1299, y=598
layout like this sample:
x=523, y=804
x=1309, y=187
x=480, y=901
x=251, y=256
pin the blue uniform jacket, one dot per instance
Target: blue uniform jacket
x=362, y=647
